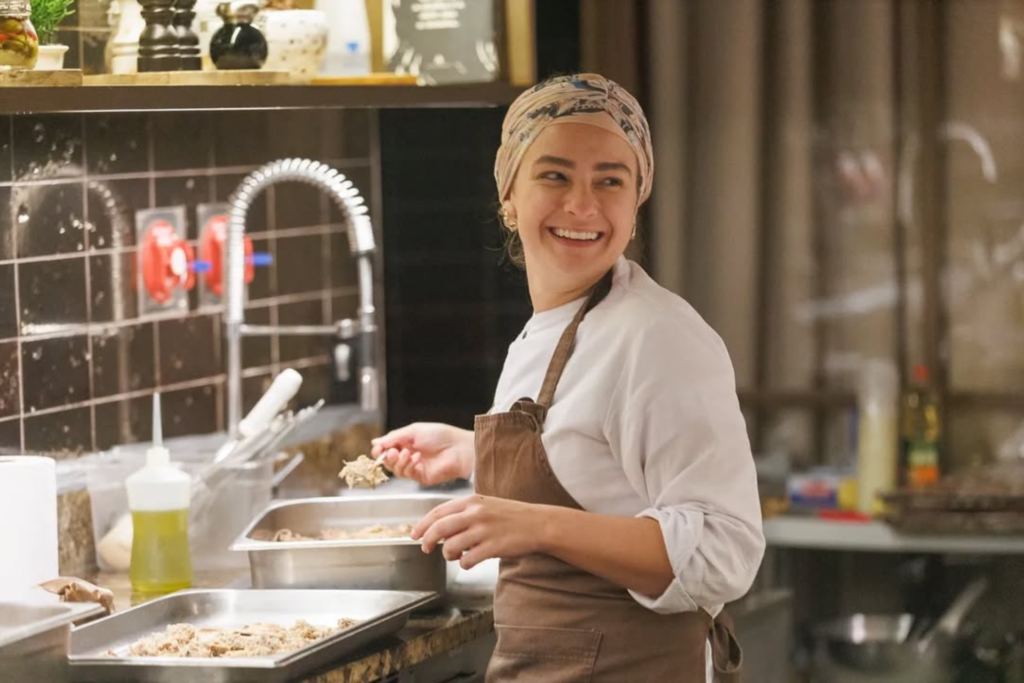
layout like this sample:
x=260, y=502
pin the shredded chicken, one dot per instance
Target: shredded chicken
x=363, y=472
x=376, y=531
x=252, y=640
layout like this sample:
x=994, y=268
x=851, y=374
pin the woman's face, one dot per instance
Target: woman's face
x=574, y=199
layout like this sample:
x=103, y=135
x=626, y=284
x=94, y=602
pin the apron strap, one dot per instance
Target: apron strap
x=565, y=342
x=726, y=654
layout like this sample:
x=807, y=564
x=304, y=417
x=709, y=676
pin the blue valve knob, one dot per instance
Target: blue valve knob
x=201, y=266
x=261, y=258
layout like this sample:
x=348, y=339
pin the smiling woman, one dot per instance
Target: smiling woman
x=621, y=495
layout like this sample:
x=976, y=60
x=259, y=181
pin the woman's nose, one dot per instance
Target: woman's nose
x=581, y=201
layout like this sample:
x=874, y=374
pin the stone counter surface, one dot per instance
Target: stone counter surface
x=426, y=635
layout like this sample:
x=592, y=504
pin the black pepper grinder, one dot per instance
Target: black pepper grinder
x=188, y=41
x=158, y=42
x=238, y=44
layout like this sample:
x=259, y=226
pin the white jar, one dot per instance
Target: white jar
x=296, y=41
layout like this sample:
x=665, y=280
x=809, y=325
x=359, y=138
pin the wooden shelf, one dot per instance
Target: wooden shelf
x=812, y=533
x=135, y=98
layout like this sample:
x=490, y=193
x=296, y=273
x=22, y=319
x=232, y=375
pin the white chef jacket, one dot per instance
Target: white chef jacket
x=645, y=422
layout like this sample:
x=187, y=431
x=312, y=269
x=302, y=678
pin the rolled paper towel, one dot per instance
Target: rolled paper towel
x=28, y=521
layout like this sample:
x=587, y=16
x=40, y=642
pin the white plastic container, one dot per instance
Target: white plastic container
x=877, y=442
x=348, y=38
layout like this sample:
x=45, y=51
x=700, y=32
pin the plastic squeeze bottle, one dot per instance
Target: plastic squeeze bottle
x=158, y=496
x=878, y=438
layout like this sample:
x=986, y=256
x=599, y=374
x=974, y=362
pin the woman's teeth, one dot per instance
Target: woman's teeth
x=573, y=235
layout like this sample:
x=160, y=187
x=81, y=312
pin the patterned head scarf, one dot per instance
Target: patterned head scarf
x=580, y=98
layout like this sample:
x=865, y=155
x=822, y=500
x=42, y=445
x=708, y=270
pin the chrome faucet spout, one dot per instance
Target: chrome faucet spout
x=361, y=245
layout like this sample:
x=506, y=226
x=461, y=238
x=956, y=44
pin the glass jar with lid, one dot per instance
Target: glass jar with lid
x=19, y=44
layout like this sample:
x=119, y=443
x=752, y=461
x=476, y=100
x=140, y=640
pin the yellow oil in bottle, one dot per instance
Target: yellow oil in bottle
x=161, y=561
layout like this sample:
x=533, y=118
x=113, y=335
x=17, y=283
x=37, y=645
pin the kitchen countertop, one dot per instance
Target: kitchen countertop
x=466, y=616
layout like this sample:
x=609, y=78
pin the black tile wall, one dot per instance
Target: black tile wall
x=300, y=264
x=187, y=192
x=54, y=372
x=10, y=380
x=47, y=146
x=79, y=357
x=190, y=411
x=5, y=149
x=117, y=143
x=52, y=293
x=10, y=437
x=181, y=142
x=452, y=305
x=6, y=224
x=60, y=433
x=122, y=360
x=8, y=303
x=50, y=218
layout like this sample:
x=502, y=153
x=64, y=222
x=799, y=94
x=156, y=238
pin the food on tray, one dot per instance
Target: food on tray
x=376, y=531
x=364, y=472
x=252, y=640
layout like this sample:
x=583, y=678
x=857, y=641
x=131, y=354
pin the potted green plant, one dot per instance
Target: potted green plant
x=46, y=17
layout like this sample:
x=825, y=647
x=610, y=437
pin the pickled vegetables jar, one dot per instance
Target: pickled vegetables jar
x=19, y=44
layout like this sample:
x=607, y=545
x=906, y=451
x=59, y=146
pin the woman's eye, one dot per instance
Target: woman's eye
x=552, y=175
x=612, y=182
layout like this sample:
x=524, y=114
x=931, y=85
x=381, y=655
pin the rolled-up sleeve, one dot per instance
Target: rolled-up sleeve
x=675, y=424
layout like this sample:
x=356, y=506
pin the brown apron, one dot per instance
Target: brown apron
x=556, y=623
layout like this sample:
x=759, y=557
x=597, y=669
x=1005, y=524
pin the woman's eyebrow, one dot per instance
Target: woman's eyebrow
x=568, y=163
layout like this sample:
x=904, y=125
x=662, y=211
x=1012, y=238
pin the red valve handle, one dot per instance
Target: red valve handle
x=166, y=261
x=211, y=250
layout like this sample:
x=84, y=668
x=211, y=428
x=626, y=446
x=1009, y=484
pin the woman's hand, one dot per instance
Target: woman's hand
x=429, y=453
x=477, y=528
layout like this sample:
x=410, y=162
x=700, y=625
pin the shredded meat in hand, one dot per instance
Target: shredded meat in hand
x=252, y=640
x=363, y=472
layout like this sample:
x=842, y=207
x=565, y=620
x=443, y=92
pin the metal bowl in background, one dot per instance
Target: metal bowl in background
x=877, y=648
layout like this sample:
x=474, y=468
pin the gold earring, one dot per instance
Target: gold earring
x=510, y=222
x=633, y=236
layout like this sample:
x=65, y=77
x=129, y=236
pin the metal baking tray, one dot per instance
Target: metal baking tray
x=34, y=637
x=380, y=613
x=373, y=564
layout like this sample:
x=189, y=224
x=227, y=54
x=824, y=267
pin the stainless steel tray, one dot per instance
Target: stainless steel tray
x=34, y=638
x=377, y=564
x=380, y=613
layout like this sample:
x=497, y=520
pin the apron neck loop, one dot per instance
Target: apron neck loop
x=565, y=342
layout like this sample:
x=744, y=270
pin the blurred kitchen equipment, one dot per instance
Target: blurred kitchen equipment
x=892, y=648
x=389, y=563
x=380, y=613
x=362, y=244
x=946, y=627
x=28, y=521
x=876, y=648
x=987, y=499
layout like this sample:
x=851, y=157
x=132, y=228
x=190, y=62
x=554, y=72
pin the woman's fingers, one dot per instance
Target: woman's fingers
x=442, y=529
x=397, y=438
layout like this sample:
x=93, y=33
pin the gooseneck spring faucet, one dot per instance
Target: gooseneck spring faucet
x=361, y=245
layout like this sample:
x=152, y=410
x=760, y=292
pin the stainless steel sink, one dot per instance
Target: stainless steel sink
x=34, y=637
